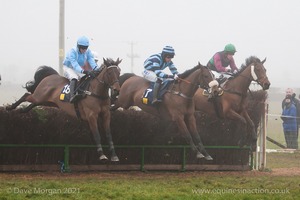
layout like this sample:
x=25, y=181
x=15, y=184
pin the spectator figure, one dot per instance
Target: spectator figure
x=296, y=102
x=289, y=118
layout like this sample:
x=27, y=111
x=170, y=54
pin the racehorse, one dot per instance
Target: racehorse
x=232, y=103
x=46, y=91
x=177, y=105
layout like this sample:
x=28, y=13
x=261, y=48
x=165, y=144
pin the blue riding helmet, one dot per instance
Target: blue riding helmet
x=83, y=41
x=168, y=51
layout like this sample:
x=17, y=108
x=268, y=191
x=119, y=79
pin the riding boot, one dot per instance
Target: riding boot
x=73, y=94
x=155, y=92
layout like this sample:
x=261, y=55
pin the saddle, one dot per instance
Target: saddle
x=148, y=93
x=82, y=86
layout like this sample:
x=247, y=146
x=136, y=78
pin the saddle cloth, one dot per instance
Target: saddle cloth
x=81, y=87
x=148, y=93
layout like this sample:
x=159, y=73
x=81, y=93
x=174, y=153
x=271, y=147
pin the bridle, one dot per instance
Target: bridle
x=179, y=93
x=253, y=77
x=102, y=81
x=110, y=85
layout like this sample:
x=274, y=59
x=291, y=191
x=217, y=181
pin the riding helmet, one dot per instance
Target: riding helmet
x=83, y=42
x=168, y=51
x=230, y=48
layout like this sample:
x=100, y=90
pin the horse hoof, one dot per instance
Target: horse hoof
x=200, y=155
x=8, y=108
x=103, y=157
x=208, y=157
x=114, y=159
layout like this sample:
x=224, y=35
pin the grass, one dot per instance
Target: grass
x=283, y=160
x=219, y=185
x=144, y=186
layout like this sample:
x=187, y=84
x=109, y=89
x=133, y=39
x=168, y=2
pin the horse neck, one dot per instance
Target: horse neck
x=241, y=82
x=98, y=86
x=188, y=85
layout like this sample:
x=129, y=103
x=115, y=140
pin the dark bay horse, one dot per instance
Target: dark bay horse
x=178, y=104
x=233, y=100
x=47, y=87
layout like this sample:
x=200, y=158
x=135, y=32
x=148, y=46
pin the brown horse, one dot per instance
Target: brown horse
x=232, y=103
x=46, y=91
x=177, y=106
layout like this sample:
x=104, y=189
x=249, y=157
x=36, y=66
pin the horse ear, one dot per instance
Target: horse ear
x=264, y=61
x=200, y=64
x=119, y=61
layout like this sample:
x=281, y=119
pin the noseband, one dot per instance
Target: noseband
x=110, y=85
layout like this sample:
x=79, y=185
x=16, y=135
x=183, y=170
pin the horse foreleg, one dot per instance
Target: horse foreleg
x=17, y=103
x=106, y=125
x=251, y=127
x=242, y=126
x=92, y=120
x=191, y=124
x=185, y=132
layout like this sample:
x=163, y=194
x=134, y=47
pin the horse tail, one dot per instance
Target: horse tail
x=124, y=77
x=41, y=73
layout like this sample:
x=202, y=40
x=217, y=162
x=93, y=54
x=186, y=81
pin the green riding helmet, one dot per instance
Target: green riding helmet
x=230, y=48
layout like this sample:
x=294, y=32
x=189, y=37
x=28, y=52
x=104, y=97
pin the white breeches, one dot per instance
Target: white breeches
x=71, y=74
x=149, y=75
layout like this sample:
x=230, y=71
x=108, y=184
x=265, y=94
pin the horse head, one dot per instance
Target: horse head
x=259, y=74
x=112, y=71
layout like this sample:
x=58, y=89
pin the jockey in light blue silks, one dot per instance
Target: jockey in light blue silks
x=154, y=66
x=78, y=62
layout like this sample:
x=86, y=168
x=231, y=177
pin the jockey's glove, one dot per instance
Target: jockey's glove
x=176, y=77
x=169, y=76
x=89, y=73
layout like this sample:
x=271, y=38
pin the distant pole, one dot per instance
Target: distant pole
x=61, y=35
x=132, y=56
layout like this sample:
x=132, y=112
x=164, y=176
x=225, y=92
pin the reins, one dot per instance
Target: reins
x=179, y=93
x=102, y=82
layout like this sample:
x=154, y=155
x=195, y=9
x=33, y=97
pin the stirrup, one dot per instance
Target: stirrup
x=206, y=93
x=74, y=98
x=155, y=101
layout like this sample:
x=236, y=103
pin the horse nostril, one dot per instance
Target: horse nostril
x=266, y=85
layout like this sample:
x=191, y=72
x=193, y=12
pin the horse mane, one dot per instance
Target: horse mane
x=189, y=71
x=124, y=77
x=40, y=74
x=248, y=61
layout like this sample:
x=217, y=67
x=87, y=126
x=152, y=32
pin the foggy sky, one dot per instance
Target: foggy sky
x=195, y=28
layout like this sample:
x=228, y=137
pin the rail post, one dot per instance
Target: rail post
x=66, y=158
x=143, y=159
x=183, y=159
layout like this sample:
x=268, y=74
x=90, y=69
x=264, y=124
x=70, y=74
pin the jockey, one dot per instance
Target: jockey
x=223, y=61
x=154, y=66
x=78, y=62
